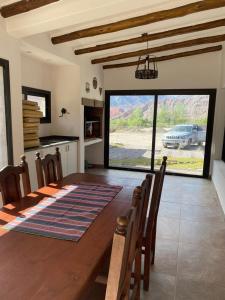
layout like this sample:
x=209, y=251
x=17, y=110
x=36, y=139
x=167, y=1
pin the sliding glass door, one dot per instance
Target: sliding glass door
x=6, y=156
x=181, y=132
x=143, y=126
x=131, y=124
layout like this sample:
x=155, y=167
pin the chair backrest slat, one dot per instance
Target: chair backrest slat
x=155, y=198
x=10, y=182
x=49, y=168
x=146, y=189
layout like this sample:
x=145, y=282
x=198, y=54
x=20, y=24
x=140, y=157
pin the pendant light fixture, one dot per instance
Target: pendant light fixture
x=147, y=67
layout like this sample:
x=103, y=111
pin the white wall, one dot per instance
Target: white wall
x=66, y=94
x=41, y=46
x=37, y=74
x=196, y=72
x=218, y=166
x=9, y=49
x=218, y=178
x=202, y=71
x=64, y=80
x=64, y=84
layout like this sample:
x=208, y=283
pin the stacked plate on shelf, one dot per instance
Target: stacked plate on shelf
x=31, y=123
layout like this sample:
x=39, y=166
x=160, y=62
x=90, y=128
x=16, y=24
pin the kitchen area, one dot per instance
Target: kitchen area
x=71, y=119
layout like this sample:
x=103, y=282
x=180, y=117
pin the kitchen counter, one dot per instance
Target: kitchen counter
x=53, y=140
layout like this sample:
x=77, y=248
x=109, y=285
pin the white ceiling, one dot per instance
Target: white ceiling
x=70, y=15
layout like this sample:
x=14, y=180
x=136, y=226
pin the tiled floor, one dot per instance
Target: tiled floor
x=190, y=254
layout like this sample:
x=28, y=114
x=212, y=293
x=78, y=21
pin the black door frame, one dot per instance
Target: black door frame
x=210, y=123
x=8, y=116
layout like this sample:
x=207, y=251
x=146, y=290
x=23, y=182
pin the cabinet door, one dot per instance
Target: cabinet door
x=72, y=158
x=30, y=158
x=63, y=152
x=45, y=151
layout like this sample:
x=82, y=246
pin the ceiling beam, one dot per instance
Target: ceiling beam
x=23, y=6
x=180, y=11
x=166, y=57
x=184, y=44
x=154, y=36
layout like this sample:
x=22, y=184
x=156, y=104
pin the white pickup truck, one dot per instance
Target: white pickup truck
x=181, y=136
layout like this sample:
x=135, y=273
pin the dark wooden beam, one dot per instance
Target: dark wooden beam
x=166, y=57
x=184, y=44
x=23, y=6
x=180, y=11
x=154, y=36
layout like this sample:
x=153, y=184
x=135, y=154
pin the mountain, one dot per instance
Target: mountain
x=129, y=101
x=195, y=106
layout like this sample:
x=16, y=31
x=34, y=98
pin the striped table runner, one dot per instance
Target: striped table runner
x=68, y=214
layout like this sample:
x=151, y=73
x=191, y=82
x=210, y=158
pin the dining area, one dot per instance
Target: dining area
x=82, y=236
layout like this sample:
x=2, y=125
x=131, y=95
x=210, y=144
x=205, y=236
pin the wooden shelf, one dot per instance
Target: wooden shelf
x=92, y=141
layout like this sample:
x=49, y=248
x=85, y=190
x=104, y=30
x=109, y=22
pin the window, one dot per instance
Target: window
x=43, y=98
x=6, y=150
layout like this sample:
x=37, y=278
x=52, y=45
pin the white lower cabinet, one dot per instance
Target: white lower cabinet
x=30, y=158
x=71, y=158
x=68, y=157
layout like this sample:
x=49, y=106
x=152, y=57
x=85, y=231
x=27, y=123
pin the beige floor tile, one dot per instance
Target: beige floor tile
x=201, y=213
x=168, y=228
x=188, y=289
x=200, y=200
x=166, y=257
x=201, y=263
x=169, y=210
x=172, y=194
x=162, y=287
x=203, y=233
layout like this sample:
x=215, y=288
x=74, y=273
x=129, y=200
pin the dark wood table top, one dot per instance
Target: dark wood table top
x=35, y=267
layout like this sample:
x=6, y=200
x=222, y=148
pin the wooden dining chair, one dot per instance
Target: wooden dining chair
x=149, y=240
x=49, y=168
x=143, y=208
x=10, y=182
x=117, y=285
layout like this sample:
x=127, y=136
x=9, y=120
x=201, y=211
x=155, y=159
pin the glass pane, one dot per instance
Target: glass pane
x=130, y=139
x=3, y=140
x=181, y=132
x=41, y=103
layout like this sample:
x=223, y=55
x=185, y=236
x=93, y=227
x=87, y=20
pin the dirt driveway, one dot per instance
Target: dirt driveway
x=136, y=144
x=126, y=142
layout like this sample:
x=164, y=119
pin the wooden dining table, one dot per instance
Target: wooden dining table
x=37, y=267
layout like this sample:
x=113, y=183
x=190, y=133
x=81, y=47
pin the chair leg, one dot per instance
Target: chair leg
x=147, y=263
x=153, y=244
x=138, y=274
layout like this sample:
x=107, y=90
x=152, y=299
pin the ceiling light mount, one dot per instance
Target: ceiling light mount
x=150, y=69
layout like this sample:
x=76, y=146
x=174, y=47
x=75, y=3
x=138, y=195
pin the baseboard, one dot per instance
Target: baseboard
x=96, y=166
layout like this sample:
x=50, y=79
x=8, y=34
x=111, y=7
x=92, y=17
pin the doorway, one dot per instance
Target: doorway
x=143, y=126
